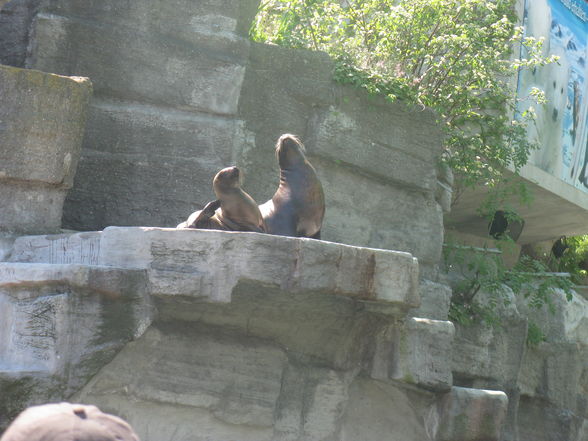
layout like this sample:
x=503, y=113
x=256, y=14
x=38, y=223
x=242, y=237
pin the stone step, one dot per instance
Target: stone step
x=207, y=263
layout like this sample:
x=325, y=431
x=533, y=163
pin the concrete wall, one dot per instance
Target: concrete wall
x=180, y=92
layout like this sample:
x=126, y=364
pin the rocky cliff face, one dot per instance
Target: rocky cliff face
x=180, y=92
x=234, y=336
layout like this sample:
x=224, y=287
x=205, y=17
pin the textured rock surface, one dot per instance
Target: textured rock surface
x=209, y=264
x=547, y=385
x=435, y=300
x=471, y=415
x=16, y=22
x=491, y=355
x=257, y=337
x=42, y=120
x=180, y=92
x=167, y=82
x=6, y=245
x=59, y=324
x=385, y=152
x=566, y=322
x=554, y=392
x=418, y=353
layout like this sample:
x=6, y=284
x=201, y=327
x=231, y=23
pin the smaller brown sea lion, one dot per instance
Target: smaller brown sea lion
x=234, y=210
x=298, y=207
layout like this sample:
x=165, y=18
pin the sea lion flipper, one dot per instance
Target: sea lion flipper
x=203, y=217
x=211, y=207
x=317, y=235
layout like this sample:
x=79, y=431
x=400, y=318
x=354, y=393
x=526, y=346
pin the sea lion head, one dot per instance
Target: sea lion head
x=289, y=151
x=227, y=179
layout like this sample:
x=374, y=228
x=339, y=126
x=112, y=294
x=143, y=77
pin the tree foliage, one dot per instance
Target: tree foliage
x=574, y=259
x=455, y=56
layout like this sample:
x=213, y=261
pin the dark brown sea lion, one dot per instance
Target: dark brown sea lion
x=234, y=210
x=298, y=207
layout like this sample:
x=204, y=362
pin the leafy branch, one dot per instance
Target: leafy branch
x=483, y=270
x=455, y=56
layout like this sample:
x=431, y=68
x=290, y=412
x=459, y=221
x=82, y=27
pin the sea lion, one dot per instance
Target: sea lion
x=298, y=207
x=202, y=218
x=234, y=210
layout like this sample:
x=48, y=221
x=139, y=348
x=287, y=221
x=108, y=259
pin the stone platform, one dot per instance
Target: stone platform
x=212, y=335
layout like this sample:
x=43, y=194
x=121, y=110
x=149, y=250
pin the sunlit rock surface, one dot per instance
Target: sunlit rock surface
x=42, y=119
x=231, y=336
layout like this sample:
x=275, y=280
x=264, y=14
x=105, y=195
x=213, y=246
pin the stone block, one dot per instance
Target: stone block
x=16, y=21
x=311, y=405
x=557, y=373
x=379, y=215
x=380, y=140
x=30, y=207
x=435, y=300
x=180, y=152
x=178, y=18
x=272, y=93
x=6, y=245
x=294, y=264
x=60, y=324
x=378, y=411
x=42, y=121
x=417, y=352
x=144, y=67
x=469, y=415
x=213, y=262
x=566, y=322
x=235, y=378
x=489, y=355
x=67, y=248
x=542, y=421
x=42, y=124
